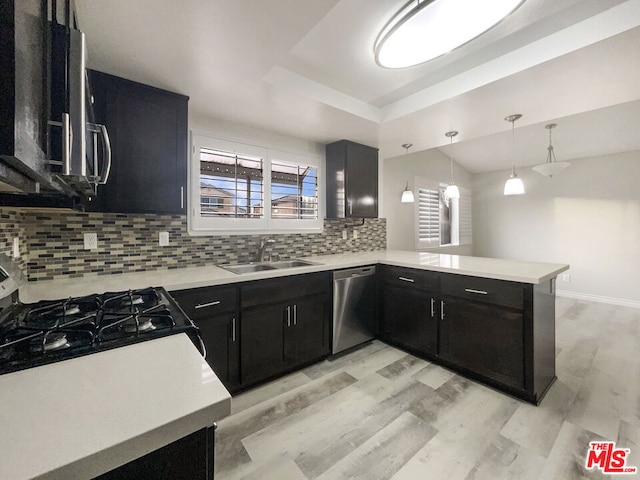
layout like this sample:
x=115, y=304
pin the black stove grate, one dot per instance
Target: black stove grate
x=49, y=331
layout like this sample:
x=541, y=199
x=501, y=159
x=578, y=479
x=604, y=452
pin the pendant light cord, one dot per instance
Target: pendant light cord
x=513, y=146
x=451, y=157
x=451, y=134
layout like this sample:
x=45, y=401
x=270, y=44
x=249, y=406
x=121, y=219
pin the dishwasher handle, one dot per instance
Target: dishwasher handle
x=354, y=272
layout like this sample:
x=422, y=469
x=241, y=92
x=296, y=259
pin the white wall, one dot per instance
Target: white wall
x=215, y=127
x=400, y=216
x=588, y=216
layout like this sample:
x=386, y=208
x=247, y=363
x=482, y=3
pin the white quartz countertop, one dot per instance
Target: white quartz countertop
x=81, y=417
x=192, y=277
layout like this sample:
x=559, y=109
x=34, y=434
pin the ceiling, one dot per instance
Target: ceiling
x=305, y=68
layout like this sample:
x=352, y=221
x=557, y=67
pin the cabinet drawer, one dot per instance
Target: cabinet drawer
x=206, y=301
x=415, y=278
x=282, y=289
x=497, y=292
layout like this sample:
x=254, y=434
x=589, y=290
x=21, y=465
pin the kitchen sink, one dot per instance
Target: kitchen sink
x=247, y=268
x=291, y=263
x=242, y=268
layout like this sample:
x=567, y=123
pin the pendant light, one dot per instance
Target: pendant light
x=407, y=195
x=452, y=190
x=514, y=185
x=552, y=166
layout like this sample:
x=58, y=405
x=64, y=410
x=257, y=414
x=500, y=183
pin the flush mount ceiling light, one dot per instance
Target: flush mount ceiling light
x=452, y=190
x=407, y=195
x=552, y=166
x=425, y=29
x=514, y=185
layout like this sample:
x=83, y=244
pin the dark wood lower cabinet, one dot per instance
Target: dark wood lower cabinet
x=484, y=338
x=262, y=342
x=410, y=319
x=499, y=332
x=276, y=338
x=220, y=337
x=305, y=337
x=214, y=312
x=190, y=458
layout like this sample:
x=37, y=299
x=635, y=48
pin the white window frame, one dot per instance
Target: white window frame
x=461, y=232
x=199, y=225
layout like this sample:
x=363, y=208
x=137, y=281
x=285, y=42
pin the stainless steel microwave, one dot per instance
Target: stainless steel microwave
x=80, y=147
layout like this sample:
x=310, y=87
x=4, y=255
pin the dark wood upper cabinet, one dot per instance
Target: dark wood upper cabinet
x=148, y=131
x=352, y=180
x=24, y=94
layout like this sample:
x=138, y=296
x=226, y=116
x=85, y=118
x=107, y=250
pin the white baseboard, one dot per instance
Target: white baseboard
x=599, y=298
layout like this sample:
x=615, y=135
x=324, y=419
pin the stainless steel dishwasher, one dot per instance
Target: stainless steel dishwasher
x=354, y=307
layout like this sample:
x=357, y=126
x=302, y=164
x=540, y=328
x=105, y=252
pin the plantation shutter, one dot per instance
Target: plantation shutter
x=464, y=216
x=427, y=213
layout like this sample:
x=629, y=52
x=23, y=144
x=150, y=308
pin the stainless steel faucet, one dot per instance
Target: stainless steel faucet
x=263, y=246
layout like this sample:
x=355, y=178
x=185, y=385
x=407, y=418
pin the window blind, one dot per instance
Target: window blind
x=294, y=191
x=428, y=216
x=464, y=216
x=231, y=185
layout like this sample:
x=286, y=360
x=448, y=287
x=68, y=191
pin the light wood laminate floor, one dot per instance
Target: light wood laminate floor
x=379, y=413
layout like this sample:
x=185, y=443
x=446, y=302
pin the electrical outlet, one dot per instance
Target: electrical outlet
x=163, y=239
x=566, y=277
x=355, y=234
x=344, y=234
x=16, y=247
x=90, y=241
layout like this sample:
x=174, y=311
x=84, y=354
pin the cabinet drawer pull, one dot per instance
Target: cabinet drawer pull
x=471, y=290
x=205, y=305
x=405, y=279
x=441, y=310
x=233, y=329
x=288, y=315
x=432, y=307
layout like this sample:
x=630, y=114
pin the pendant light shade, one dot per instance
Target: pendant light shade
x=514, y=185
x=452, y=190
x=551, y=167
x=425, y=29
x=407, y=195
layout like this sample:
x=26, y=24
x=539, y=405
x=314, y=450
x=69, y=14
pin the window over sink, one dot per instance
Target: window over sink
x=243, y=188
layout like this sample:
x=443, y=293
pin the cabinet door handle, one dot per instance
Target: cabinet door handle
x=205, y=305
x=182, y=197
x=233, y=329
x=471, y=290
x=405, y=279
x=295, y=314
x=441, y=310
x=288, y=315
x=432, y=307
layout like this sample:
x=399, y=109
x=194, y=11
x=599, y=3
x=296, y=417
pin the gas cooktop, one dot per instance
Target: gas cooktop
x=50, y=331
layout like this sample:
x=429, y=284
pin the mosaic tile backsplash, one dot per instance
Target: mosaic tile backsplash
x=53, y=243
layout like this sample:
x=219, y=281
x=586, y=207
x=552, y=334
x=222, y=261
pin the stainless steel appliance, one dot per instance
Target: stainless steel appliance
x=354, y=307
x=80, y=148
